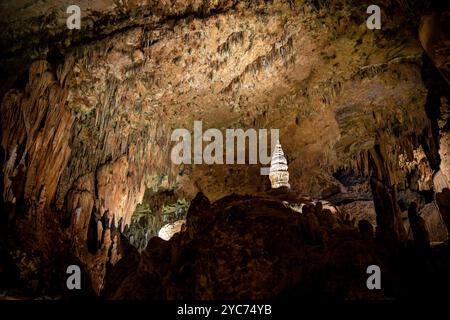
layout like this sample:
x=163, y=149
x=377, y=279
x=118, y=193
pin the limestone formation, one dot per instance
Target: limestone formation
x=279, y=174
x=167, y=231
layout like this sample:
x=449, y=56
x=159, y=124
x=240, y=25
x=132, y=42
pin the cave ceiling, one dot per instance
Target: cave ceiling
x=139, y=70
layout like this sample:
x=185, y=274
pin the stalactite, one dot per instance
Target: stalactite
x=280, y=51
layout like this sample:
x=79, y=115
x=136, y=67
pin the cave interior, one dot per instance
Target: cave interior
x=88, y=176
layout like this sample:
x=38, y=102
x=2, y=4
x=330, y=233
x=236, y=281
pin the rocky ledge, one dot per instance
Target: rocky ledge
x=274, y=245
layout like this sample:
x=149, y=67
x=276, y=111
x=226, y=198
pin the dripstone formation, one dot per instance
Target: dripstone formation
x=279, y=174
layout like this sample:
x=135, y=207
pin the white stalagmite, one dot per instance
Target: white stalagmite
x=167, y=231
x=279, y=175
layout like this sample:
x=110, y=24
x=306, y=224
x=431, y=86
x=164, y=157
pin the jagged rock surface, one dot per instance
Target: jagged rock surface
x=259, y=248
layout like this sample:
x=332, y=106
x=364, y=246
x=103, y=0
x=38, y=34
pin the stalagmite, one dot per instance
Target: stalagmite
x=279, y=175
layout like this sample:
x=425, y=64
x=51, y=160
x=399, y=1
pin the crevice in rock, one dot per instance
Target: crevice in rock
x=92, y=240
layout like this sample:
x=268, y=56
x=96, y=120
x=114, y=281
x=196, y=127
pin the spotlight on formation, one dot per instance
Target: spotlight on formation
x=278, y=174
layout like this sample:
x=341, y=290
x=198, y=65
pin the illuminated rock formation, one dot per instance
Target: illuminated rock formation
x=279, y=175
x=170, y=229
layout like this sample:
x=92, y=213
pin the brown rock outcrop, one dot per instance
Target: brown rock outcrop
x=248, y=248
x=256, y=247
x=36, y=129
